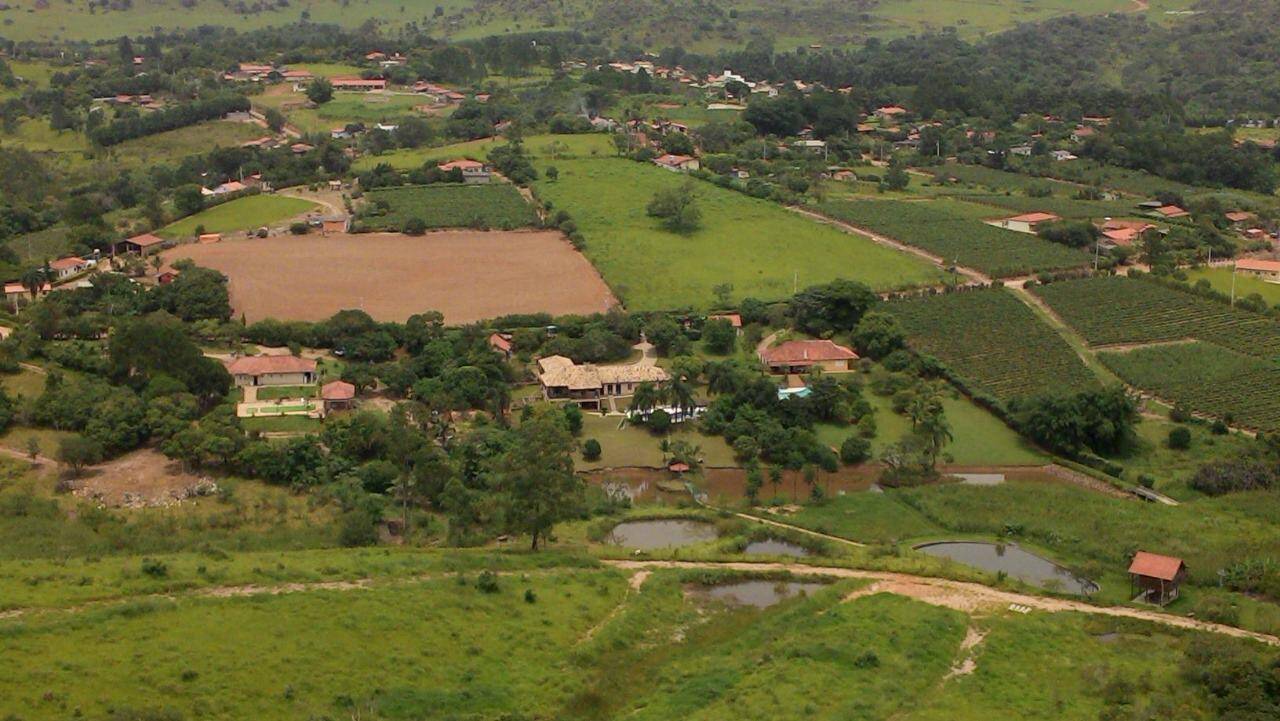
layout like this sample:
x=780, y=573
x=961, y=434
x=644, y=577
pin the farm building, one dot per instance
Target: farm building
x=1268, y=270
x=588, y=384
x=66, y=267
x=1123, y=232
x=360, y=84
x=16, y=291
x=1172, y=211
x=677, y=163
x=1025, y=223
x=143, y=244
x=473, y=171
x=801, y=356
x=335, y=224
x=1154, y=578
x=1240, y=217
x=337, y=395
x=272, y=370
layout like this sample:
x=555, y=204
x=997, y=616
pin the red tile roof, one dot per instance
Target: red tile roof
x=67, y=263
x=498, y=342
x=1264, y=266
x=806, y=351
x=734, y=319
x=1153, y=565
x=1172, y=211
x=1239, y=216
x=337, y=391
x=262, y=364
x=673, y=161
x=463, y=164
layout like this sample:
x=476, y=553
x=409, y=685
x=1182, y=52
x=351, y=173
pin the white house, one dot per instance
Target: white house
x=272, y=370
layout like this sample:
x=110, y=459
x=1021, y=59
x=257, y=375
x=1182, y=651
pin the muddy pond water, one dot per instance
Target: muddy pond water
x=1012, y=560
x=760, y=594
x=774, y=547
x=665, y=533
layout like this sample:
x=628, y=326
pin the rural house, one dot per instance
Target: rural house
x=677, y=163
x=1154, y=578
x=1268, y=270
x=802, y=356
x=1025, y=223
x=735, y=320
x=64, y=268
x=143, y=244
x=272, y=370
x=335, y=224
x=358, y=84
x=501, y=343
x=473, y=171
x=1172, y=211
x=15, y=291
x=588, y=384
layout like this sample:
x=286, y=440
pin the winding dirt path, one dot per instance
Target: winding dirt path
x=959, y=595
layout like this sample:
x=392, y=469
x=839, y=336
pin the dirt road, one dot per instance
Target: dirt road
x=960, y=595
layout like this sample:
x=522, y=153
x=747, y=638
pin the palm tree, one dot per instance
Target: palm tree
x=34, y=281
x=645, y=398
x=682, y=396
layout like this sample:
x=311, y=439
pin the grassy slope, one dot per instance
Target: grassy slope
x=543, y=146
x=1245, y=285
x=239, y=214
x=761, y=248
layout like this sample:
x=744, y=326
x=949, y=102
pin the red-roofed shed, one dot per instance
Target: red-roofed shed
x=1155, y=578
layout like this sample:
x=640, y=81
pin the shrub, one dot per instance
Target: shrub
x=415, y=226
x=299, y=228
x=591, y=450
x=1179, y=438
x=487, y=582
x=154, y=568
x=855, y=449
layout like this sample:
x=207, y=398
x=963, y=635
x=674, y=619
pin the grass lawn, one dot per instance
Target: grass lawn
x=1170, y=469
x=18, y=437
x=173, y=145
x=240, y=214
x=634, y=446
x=282, y=424
x=759, y=247
x=1245, y=284
x=980, y=439
x=44, y=244
x=269, y=393
x=37, y=136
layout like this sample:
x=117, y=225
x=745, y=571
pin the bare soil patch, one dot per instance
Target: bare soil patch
x=467, y=275
x=140, y=479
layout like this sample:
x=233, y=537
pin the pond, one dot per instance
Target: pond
x=1012, y=560
x=759, y=594
x=666, y=533
x=774, y=547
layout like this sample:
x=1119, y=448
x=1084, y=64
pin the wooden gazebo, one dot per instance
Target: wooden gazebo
x=1154, y=578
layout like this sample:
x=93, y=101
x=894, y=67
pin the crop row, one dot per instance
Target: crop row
x=498, y=205
x=1110, y=310
x=1205, y=378
x=954, y=231
x=994, y=341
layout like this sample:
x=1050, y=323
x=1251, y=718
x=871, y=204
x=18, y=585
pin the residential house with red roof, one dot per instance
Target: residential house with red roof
x=677, y=163
x=802, y=356
x=272, y=370
x=1268, y=270
x=1025, y=223
x=473, y=171
x=64, y=268
x=144, y=244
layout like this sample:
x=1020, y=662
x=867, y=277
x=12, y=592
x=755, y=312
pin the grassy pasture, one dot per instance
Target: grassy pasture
x=954, y=230
x=542, y=146
x=762, y=249
x=1245, y=284
x=495, y=205
x=251, y=211
x=994, y=341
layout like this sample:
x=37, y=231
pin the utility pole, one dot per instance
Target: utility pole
x=1233, y=287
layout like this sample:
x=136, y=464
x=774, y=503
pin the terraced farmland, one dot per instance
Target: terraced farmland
x=954, y=231
x=1111, y=310
x=1205, y=378
x=993, y=341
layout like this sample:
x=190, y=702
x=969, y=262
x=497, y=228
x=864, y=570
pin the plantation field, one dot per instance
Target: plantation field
x=760, y=248
x=1245, y=284
x=543, y=146
x=495, y=205
x=1110, y=310
x=1067, y=208
x=1205, y=378
x=954, y=231
x=245, y=213
x=994, y=342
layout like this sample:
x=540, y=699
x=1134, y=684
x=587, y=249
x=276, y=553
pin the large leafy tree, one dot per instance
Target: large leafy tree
x=537, y=478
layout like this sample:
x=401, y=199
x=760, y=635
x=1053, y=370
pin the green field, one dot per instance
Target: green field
x=543, y=146
x=240, y=214
x=1205, y=378
x=1110, y=310
x=494, y=205
x=1245, y=285
x=954, y=231
x=759, y=247
x=994, y=342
